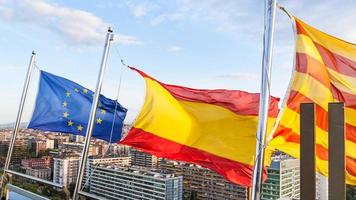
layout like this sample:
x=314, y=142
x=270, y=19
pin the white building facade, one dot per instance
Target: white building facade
x=65, y=170
x=113, y=182
x=283, y=180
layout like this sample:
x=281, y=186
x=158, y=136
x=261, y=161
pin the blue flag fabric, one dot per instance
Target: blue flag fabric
x=64, y=106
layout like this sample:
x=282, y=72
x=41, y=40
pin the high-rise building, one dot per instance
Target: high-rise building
x=5, y=135
x=76, y=138
x=65, y=170
x=142, y=159
x=204, y=183
x=36, y=146
x=102, y=148
x=60, y=139
x=282, y=179
x=49, y=144
x=120, y=161
x=117, y=182
x=78, y=147
x=94, y=162
x=119, y=149
x=20, y=151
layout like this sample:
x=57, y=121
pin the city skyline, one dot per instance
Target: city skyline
x=200, y=45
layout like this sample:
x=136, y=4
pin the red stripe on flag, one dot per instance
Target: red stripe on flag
x=300, y=28
x=287, y=134
x=309, y=65
x=350, y=133
x=233, y=171
x=337, y=62
x=351, y=165
x=347, y=98
x=240, y=102
x=322, y=153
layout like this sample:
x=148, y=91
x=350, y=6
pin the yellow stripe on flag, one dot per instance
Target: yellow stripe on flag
x=350, y=114
x=313, y=89
x=305, y=45
x=343, y=82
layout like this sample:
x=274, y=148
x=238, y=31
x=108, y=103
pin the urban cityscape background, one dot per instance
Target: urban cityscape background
x=121, y=172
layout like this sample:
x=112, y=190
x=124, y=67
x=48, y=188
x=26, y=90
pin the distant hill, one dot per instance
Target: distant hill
x=11, y=125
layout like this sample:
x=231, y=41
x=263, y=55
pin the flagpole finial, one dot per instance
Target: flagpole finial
x=110, y=29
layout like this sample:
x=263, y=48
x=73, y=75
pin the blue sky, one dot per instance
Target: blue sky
x=201, y=44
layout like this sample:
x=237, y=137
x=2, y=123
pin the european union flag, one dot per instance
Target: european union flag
x=64, y=106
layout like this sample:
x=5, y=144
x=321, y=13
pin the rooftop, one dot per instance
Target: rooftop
x=155, y=173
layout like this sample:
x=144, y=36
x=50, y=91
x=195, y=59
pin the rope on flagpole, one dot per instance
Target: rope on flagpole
x=119, y=54
x=118, y=93
x=36, y=66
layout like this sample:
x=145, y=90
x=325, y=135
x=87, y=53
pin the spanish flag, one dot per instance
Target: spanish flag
x=212, y=128
x=325, y=71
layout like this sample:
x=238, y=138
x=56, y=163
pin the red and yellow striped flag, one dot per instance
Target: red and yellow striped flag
x=325, y=71
x=212, y=128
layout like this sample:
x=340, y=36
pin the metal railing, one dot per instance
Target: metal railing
x=22, y=192
x=34, y=178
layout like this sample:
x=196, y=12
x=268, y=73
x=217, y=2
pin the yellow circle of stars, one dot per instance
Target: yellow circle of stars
x=66, y=114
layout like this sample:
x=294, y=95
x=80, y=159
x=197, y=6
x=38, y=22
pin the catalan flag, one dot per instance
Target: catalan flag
x=325, y=71
x=212, y=128
x=64, y=106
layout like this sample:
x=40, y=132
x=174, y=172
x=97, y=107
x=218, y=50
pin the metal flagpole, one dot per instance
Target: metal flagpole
x=83, y=161
x=18, y=118
x=269, y=19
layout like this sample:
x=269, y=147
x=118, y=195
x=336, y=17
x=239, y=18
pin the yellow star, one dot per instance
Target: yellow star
x=65, y=114
x=98, y=121
x=70, y=123
x=68, y=94
x=85, y=91
x=65, y=104
x=76, y=90
x=103, y=111
x=80, y=127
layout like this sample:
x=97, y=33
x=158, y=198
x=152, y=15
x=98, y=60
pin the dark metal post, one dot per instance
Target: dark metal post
x=307, y=151
x=336, y=152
